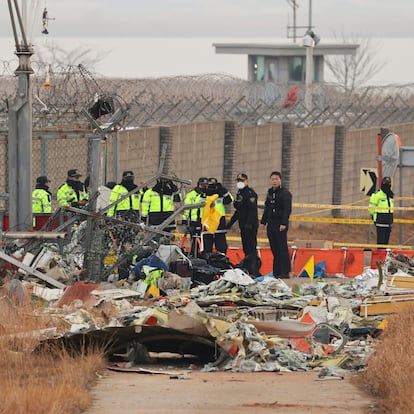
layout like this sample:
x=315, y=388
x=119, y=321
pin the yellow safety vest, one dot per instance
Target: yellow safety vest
x=153, y=202
x=66, y=195
x=120, y=191
x=41, y=201
x=379, y=205
x=193, y=214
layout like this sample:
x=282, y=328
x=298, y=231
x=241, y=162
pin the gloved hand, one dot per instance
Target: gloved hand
x=172, y=186
x=220, y=190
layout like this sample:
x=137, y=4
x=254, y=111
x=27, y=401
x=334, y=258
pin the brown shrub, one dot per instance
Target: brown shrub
x=390, y=371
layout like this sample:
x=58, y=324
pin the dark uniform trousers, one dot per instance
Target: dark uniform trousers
x=218, y=239
x=279, y=246
x=248, y=235
x=383, y=233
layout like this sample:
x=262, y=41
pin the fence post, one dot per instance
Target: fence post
x=228, y=155
x=288, y=134
x=166, y=137
x=338, y=163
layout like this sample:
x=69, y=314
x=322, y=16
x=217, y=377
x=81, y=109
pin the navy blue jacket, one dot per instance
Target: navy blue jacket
x=278, y=206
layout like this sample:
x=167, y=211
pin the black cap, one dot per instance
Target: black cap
x=74, y=173
x=202, y=180
x=386, y=180
x=241, y=177
x=126, y=174
x=212, y=180
x=42, y=180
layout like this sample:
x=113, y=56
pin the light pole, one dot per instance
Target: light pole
x=309, y=41
x=20, y=129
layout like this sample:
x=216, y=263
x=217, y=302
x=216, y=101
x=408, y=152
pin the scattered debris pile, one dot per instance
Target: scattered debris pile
x=233, y=322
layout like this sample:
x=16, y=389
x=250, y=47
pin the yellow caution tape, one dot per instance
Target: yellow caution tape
x=340, y=220
x=342, y=207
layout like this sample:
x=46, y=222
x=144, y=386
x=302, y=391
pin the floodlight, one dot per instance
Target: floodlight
x=310, y=39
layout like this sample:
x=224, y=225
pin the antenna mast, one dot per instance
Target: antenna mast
x=291, y=30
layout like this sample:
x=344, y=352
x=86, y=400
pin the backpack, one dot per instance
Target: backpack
x=219, y=260
x=251, y=264
x=182, y=268
x=203, y=275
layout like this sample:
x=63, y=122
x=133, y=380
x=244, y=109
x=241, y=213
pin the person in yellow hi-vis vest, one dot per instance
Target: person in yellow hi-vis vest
x=41, y=196
x=72, y=191
x=217, y=237
x=158, y=203
x=127, y=208
x=191, y=219
x=381, y=208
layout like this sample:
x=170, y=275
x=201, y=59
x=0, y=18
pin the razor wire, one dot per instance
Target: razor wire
x=210, y=97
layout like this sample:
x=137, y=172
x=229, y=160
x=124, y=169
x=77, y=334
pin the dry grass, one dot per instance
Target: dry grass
x=47, y=381
x=390, y=372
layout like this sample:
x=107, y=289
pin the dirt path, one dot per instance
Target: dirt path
x=227, y=393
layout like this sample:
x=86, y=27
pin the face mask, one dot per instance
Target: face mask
x=240, y=185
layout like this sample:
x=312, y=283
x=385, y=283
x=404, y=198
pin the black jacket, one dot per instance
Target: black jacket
x=246, y=208
x=278, y=206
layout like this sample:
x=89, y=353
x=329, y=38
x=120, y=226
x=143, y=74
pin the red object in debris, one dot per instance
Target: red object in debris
x=233, y=350
x=151, y=321
x=79, y=290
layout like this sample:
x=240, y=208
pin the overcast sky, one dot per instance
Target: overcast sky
x=232, y=18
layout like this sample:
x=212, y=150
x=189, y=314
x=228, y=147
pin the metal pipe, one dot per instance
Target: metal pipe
x=13, y=23
x=34, y=235
x=31, y=271
x=22, y=27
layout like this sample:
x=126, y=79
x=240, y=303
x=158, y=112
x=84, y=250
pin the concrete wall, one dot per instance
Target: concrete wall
x=197, y=150
x=138, y=151
x=312, y=165
x=258, y=151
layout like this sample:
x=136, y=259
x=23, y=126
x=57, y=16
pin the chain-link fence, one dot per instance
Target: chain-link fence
x=188, y=99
